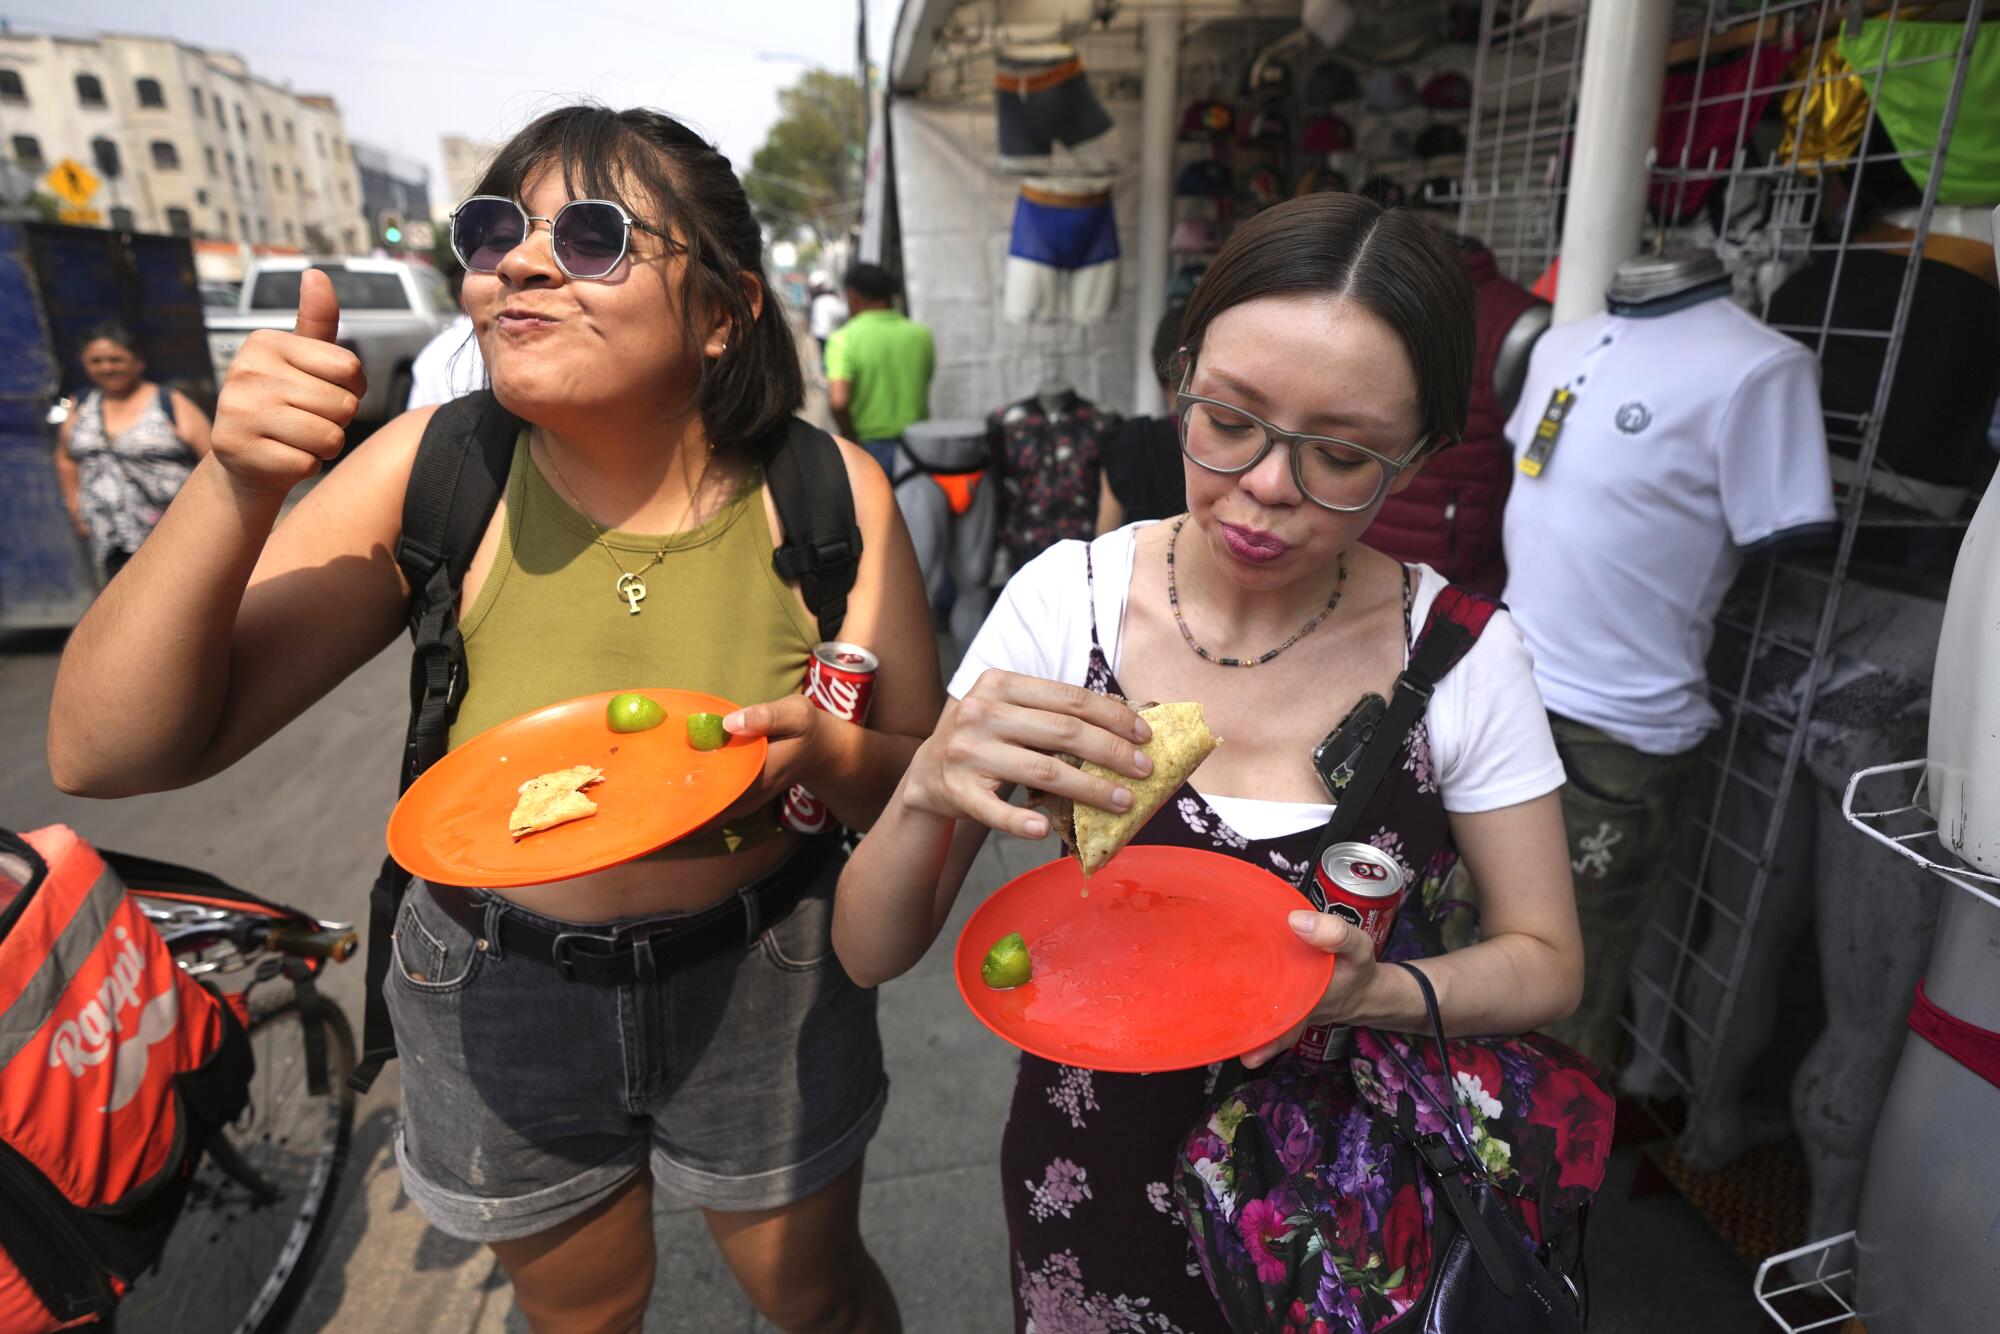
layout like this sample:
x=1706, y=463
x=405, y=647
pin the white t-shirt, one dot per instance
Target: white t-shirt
x=1489, y=734
x=448, y=367
x=827, y=313
x=1693, y=435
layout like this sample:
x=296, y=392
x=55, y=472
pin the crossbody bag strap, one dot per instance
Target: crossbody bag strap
x=455, y=484
x=1454, y=624
x=1450, y=1156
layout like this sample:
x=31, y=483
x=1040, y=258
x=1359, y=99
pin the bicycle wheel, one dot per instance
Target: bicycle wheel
x=245, y=1244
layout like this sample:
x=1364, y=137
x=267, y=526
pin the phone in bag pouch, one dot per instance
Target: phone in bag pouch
x=1335, y=757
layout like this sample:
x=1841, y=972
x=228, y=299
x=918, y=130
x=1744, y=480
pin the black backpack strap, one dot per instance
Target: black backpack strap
x=455, y=485
x=821, y=550
x=1456, y=620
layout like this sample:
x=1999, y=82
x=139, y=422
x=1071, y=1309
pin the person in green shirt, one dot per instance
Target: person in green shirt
x=878, y=366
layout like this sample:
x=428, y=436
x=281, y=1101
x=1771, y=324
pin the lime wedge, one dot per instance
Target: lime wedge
x=705, y=731
x=1007, y=963
x=633, y=713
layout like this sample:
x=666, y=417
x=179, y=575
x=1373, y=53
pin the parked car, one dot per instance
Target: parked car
x=221, y=296
x=389, y=308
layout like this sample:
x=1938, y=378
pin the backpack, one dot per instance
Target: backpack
x=456, y=483
x=115, y=1069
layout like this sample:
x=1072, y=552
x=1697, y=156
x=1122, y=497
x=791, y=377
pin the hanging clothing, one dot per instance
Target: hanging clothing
x=1087, y=1157
x=1705, y=137
x=1048, y=466
x=1947, y=379
x=1826, y=115
x=1910, y=101
x=1690, y=436
x=1449, y=517
x=125, y=482
x=1062, y=258
x=1142, y=463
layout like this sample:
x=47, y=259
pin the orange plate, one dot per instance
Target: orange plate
x=1176, y=959
x=451, y=826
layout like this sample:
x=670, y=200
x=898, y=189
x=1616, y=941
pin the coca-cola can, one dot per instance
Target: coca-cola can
x=840, y=678
x=1363, y=886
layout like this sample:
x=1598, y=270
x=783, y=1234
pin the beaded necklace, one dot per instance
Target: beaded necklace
x=1174, y=601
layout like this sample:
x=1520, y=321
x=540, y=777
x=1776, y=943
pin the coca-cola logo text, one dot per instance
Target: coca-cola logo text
x=837, y=695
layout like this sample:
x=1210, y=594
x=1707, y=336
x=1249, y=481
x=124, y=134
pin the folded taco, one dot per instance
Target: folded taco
x=1181, y=741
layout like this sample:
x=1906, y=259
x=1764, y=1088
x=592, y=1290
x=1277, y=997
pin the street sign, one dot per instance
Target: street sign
x=72, y=182
x=80, y=217
x=421, y=235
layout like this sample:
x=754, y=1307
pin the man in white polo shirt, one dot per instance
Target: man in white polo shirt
x=1655, y=446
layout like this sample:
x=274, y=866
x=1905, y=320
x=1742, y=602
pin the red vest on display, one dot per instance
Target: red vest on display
x=1449, y=516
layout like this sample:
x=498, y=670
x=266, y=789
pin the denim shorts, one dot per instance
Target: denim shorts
x=748, y=1080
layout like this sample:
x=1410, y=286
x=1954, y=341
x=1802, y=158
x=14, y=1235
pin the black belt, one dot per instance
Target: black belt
x=640, y=951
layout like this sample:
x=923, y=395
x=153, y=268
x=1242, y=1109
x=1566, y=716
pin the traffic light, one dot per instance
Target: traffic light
x=389, y=225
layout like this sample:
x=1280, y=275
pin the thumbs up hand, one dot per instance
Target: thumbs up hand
x=288, y=398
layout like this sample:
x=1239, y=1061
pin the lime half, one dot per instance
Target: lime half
x=705, y=731
x=1007, y=964
x=633, y=713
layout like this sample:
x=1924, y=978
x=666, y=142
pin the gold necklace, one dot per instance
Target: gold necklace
x=631, y=586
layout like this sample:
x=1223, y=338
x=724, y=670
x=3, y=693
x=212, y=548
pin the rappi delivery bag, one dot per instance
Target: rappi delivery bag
x=115, y=1067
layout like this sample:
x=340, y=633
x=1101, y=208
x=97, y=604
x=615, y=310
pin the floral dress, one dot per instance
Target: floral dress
x=125, y=482
x=1095, y=1167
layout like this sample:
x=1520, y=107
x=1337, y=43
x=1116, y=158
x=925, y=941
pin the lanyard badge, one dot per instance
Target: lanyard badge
x=1547, y=431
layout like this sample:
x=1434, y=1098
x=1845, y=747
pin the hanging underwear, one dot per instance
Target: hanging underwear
x=1973, y=1047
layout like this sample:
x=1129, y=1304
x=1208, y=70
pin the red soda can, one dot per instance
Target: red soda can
x=1362, y=885
x=840, y=678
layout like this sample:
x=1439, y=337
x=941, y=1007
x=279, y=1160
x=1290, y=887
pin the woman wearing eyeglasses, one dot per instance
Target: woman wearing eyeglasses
x=1325, y=354
x=616, y=286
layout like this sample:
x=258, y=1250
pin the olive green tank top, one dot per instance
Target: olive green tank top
x=549, y=624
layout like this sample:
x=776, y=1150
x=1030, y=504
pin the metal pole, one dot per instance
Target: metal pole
x=1160, y=41
x=861, y=68
x=1618, y=110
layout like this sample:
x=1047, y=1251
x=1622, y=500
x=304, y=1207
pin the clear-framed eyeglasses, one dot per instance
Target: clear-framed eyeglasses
x=1332, y=473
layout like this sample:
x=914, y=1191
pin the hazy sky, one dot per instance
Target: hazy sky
x=405, y=73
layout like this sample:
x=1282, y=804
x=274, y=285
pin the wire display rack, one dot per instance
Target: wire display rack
x=1768, y=210
x=1821, y=1299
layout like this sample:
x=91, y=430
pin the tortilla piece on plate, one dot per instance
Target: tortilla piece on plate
x=1181, y=741
x=550, y=799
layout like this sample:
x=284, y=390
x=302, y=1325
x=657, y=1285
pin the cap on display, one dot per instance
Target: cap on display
x=1385, y=190
x=1330, y=82
x=1267, y=127
x=1449, y=91
x=1327, y=134
x=1390, y=90
x=1265, y=187
x=1208, y=118
x=1439, y=141
x=1323, y=180
x=1205, y=179
x=1196, y=236
x=1461, y=23
x=1386, y=140
x=1181, y=286
x=1269, y=79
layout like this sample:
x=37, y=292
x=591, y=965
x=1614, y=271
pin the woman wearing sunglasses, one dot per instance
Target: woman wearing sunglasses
x=616, y=286
x=1324, y=355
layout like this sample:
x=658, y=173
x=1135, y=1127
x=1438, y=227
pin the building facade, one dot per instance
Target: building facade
x=392, y=183
x=182, y=140
x=465, y=161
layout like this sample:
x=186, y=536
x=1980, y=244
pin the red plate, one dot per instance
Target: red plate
x=451, y=826
x=1177, y=958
